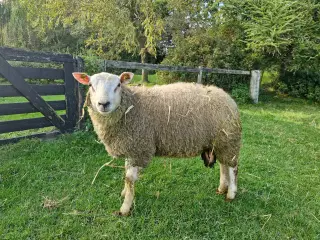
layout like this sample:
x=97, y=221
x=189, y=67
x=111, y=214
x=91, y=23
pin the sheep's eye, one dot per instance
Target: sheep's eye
x=117, y=87
x=90, y=85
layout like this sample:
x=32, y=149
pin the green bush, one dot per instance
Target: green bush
x=227, y=81
x=92, y=63
x=172, y=77
x=240, y=93
x=300, y=84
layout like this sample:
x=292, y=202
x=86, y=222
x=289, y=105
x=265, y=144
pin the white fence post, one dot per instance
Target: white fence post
x=255, y=85
x=200, y=75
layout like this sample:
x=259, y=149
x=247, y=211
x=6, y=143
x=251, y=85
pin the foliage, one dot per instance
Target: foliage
x=282, y=32
x=277, y=197
x=20, y=32
x=282, y=35
x=114, y=26
x=92, y=63
x=241, y=93
x=206, y=41
x=300, y=84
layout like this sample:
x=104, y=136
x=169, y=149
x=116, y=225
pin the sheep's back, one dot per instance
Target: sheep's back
x=187, y=118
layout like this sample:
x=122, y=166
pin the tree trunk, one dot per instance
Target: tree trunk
x=144, y=76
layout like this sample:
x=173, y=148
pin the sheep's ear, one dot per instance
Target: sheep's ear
x=126, y=77
x=81, y=77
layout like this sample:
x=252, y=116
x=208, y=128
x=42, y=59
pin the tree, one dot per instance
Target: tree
x=18, y=32
x=133, y=26
x=5, y=9
x=285, y=33
x=260, y=34
x=200, y=37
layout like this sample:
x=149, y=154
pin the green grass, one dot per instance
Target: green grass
x=23, y=99
x=152, y=78
x=278, y=198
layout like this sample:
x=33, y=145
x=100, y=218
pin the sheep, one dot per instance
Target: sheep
x=175, y=120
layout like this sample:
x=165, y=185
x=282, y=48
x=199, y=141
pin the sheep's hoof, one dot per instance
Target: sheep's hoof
x=120, y=214
x=221, y=192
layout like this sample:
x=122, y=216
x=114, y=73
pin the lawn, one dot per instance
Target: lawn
x=152, y=78
x=46, y=191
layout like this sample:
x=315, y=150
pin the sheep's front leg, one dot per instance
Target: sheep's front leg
x=131, y=177
x=123, y=193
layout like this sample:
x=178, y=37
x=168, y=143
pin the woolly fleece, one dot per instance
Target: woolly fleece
x=176, y=120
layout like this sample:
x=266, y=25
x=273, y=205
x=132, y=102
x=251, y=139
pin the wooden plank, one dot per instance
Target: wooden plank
x=18, y=82
x=24, y=124
x=147, y=66
x=225, y=71
x=18, y=108
x=13, y=54
x=40, y=73
x=42, y=136
x=71, y=87
x=43, y=90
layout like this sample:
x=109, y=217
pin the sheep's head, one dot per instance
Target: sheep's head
x=105, y=89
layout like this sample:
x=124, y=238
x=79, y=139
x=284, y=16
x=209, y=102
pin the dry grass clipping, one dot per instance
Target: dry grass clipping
x=108, y=164
x=51, y=204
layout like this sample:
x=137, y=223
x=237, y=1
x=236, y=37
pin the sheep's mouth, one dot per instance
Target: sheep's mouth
x=107, y=112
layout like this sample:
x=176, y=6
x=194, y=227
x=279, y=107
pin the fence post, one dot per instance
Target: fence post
x=255, y=85
x=200, y=75
x=81, y=93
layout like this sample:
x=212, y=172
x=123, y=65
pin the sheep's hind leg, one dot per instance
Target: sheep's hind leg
x=131, y=177
x=224, y=179
x=232, y=188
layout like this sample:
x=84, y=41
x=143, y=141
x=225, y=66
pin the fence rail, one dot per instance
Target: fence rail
x=46, y=73
x=254, y=81
x=147, y=66
x=13, y=54
x=43, y=90
x=20, y=108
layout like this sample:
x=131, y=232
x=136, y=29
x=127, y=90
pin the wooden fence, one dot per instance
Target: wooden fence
x=70, y=89
x=254, y=82
x=34, y=92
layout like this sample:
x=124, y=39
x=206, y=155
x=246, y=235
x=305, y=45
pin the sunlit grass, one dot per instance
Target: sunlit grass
x=278, y=197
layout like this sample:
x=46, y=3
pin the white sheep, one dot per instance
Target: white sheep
x=180, y=120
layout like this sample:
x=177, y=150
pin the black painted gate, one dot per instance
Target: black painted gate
x=33, y=92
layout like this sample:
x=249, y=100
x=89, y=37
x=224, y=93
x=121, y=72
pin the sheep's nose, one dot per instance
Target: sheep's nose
x=104, y=104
